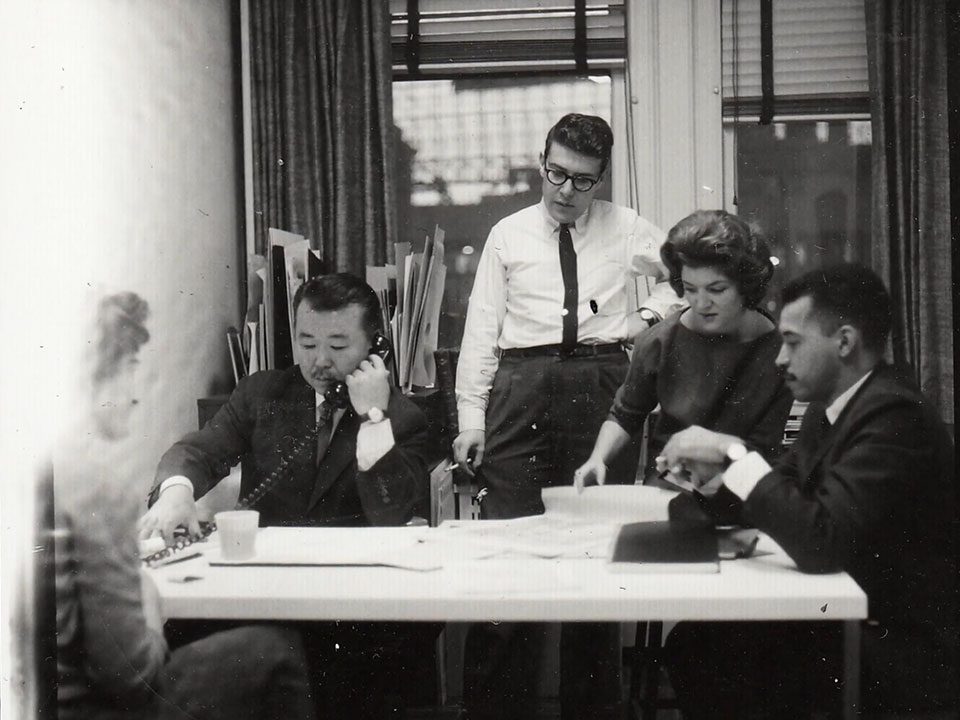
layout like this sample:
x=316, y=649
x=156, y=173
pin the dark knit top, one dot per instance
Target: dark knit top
x=715, y=381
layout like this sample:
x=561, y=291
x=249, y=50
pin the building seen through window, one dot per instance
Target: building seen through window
x=468, y=155
x=807, y=184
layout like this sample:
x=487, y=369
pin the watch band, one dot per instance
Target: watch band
x=648, y=316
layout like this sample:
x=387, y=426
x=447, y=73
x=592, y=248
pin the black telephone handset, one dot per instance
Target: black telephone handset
x=337, y=395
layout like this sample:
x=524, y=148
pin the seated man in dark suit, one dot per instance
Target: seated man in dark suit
x=364, y=466
x=306, y=463
x=868, y=488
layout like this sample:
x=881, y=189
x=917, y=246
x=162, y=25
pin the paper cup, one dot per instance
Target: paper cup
x=238, y=533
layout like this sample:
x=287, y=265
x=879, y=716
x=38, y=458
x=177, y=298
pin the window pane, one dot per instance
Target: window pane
x=468, y=155
x=808, y=186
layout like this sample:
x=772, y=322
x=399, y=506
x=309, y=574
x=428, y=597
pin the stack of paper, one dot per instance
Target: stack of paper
x=410, y=294
x=273, y=282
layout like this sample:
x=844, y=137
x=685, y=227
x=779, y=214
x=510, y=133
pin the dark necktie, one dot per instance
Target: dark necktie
x=821, y=429
x=324, y=416
x=571, y=293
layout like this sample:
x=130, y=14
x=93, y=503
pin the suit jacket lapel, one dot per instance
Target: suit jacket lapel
x=341, y=452
x=304, y=464
x=836, y=431
x=820, y=444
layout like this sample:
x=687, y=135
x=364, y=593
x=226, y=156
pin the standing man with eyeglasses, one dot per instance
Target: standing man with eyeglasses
x=542, y=357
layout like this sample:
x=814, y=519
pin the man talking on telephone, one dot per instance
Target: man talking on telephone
x=303, y=461
x=307, y=462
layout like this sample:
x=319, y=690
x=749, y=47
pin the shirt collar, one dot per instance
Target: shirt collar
x=580, y=225
x=837, y=406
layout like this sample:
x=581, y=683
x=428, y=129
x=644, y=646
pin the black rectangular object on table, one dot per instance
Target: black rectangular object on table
x=667, y=546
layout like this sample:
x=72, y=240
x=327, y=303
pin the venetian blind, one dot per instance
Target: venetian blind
x=819, y=57
x=437, y=38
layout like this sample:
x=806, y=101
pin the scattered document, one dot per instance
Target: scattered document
x=392, y=547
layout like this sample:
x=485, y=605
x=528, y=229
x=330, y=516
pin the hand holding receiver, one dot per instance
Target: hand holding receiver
x=174, y=507
x=593, y=471
x=369, y=386
x=468, y=449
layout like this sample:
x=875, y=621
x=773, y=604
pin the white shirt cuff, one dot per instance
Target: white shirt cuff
x=175, y=480
x=744, y=474
x=374, y=440
x=471, y=419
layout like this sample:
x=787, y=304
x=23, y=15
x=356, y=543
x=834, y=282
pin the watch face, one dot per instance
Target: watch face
x=736, y=452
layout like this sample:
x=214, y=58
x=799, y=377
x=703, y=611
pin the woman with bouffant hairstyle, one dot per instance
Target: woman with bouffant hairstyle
x=711, y=364
x=120, y=332
x=717, y=239
x=113, y=661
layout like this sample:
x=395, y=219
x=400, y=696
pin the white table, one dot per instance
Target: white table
x=512, y=588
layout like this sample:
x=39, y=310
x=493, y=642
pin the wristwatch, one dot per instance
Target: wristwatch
x=374, y=415
x=735, y=451
x=648, y=316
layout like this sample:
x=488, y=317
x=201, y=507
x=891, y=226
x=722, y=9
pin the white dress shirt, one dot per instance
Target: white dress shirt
x=743, y=475
x=374, y=440
x=517, y=298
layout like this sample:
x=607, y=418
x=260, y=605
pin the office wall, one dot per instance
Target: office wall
x=121, y=171
x=674, y=109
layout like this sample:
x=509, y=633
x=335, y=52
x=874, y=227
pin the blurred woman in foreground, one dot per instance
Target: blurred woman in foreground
x=112, y=658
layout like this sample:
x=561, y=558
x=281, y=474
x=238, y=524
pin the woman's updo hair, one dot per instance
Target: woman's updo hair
x=120, y=332
x=717, y=239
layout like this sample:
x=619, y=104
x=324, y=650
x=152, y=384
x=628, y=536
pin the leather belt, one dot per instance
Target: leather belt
x=558, y=351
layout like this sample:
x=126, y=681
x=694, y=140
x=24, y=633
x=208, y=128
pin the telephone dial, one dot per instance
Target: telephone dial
x=339, y=397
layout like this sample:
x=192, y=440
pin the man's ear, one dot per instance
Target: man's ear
x=848, y=340
x=543, y=171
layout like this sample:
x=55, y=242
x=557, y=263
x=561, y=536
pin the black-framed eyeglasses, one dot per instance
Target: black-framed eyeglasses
x=581, y=183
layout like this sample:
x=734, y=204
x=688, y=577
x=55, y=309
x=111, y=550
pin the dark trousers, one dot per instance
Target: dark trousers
x=250, y=672
x=357, y=670
x=788, y=669
x=542, y=421
x=370, y=671
x=755, y=669
x=503, y=663
x=257, y=672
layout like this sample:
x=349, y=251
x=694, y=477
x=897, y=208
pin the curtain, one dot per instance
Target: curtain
x=907, y=63
x=322, y=119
